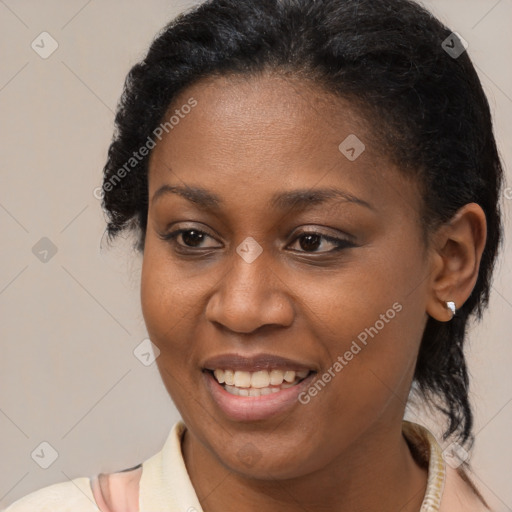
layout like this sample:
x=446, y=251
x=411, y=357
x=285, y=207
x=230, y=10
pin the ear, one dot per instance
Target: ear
x=457, y=248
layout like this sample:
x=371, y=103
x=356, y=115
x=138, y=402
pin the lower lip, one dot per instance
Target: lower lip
x=252, y=408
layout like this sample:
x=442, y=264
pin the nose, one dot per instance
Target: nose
x=251, y=295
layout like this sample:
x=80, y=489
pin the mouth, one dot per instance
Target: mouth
x=252, y=387
x=258, y=383
x=256, y=387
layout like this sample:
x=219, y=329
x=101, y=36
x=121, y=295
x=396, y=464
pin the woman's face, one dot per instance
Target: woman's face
x=328, y=286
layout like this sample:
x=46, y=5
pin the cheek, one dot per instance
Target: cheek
x=370, y=320
x=167, y=298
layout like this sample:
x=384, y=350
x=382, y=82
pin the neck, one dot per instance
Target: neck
x=377, y=474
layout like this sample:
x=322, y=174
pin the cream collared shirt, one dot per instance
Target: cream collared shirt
x=165, y=486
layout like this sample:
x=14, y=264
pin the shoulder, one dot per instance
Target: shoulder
x=449, y=489
x=72, y=496
x=460, y=493
x=119, y=491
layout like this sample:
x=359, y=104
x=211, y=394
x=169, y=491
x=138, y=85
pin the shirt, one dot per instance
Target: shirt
x=165, y=486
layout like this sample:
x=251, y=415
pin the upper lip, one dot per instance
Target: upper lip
x=253, y=363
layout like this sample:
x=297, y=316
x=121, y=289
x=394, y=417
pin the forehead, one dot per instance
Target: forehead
x=249, y=135
x=269, y=110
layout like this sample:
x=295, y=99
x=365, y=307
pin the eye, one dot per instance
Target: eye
x=191, y=238
x=310, y=241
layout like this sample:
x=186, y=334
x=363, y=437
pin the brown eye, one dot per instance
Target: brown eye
x=191, y=238
x=312, y=241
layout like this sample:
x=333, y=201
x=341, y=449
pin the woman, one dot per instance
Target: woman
x=314, y=186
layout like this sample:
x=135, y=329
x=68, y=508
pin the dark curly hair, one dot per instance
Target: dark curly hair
x=391, y=59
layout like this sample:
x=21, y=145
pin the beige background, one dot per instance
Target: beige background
x=69, y=326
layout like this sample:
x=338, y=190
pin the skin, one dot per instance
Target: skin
x=247, y=139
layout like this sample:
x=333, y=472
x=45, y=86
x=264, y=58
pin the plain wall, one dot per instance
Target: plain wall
x=69, y=325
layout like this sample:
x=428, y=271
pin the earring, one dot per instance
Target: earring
x=451, y=306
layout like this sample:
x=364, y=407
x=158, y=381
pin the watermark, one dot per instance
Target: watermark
x=343, y=360
x=44, y=250
x=44, y=45
x=352, y=147
x=143, y=151
x=249, y=455
x=146, y=352
x=249, y=249
x=454, y=45
x=44, y=455
x=455, y=455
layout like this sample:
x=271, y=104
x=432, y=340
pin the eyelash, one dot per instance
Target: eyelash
x=340, y=242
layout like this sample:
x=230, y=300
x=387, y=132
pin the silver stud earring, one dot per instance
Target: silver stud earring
x=451, y=306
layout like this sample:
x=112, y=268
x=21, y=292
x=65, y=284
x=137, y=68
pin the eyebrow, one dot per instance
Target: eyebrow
x=293, y=199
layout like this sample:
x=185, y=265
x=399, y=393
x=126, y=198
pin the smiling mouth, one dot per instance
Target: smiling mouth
x=258, y=383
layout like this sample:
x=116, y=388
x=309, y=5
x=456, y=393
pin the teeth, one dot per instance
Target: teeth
x=255, y=391
x=259, y=380
x=289, y=376
x=276, y=377
x=242, y=379
x=229, y=377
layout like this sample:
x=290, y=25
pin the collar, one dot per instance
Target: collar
x=165, y=485
x=429, y=451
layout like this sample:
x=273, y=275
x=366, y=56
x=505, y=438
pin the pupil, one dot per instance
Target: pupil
x=192, y=239
x=312, y=242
